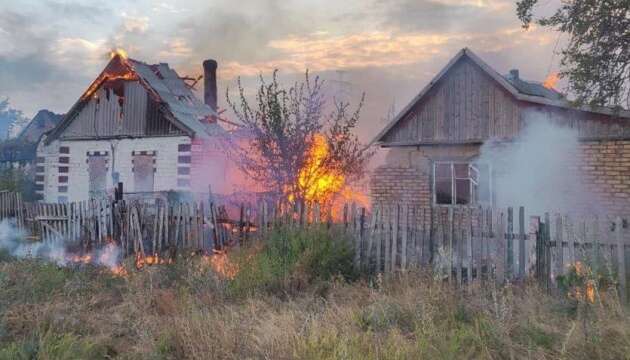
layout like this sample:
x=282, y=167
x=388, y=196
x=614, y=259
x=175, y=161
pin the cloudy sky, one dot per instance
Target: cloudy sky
x=50, y=50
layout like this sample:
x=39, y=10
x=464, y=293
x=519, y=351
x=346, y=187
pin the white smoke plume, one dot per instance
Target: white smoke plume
x=14, y=241
x=539, y=169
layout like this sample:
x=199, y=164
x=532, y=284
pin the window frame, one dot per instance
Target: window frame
x=474, y=183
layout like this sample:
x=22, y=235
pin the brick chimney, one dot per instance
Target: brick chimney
x=210, y=83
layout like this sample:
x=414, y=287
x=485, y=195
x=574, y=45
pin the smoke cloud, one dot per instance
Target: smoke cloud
x=13, y=241
x=538, y=171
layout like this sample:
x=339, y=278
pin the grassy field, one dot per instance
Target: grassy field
x=297, y=297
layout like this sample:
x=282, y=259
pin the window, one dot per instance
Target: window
x=97, y=173
x=143, y=173
x=461, y=183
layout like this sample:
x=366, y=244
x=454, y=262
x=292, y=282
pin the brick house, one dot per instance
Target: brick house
x=138, y=124
x=434, y=144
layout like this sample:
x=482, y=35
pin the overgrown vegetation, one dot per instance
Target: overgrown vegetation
x=296, y=297
x=19, y=181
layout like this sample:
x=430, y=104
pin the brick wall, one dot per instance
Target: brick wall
x=605, y=171
x=73, y=184
x=603, y=167
x=407, y=185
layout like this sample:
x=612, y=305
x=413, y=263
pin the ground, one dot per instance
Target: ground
x=304, y=302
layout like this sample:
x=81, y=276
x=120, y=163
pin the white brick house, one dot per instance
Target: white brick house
x=138, y=124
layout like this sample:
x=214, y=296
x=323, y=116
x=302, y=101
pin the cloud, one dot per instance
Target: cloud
x=92, y=11
x=51, y=49
x=321, y=52
x=434, y=16
x=135, y=24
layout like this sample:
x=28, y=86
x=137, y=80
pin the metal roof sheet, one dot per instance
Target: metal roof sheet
x=179, y=98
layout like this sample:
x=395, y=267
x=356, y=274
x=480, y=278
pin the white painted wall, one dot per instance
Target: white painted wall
x=166, y=149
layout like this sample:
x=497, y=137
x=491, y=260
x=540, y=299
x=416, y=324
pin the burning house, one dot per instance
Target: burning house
x=138, y=124
x=445, y=147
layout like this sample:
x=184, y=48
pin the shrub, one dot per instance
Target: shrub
x=291, y=259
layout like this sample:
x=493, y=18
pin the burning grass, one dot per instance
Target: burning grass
x=294, y=297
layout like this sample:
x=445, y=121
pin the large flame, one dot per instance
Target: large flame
x=551, y=80
x=317, y=181
x=322, y=183
x=118, y=52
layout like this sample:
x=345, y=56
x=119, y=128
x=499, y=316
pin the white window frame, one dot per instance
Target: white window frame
x=473, y=183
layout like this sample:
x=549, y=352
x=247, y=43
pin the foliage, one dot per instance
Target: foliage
x=53, y=346
x=182, y=311
x=596, y=60
x=284, y=123
x=292, y=259
x=18, y=180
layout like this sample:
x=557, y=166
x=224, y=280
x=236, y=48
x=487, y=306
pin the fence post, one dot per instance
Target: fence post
x=621, y=258
x=394, y=248
x=521, y=242
x=405, y=231
x=509, y=236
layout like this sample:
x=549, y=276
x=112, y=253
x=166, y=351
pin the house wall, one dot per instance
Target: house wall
x=465, y=105
x=406, y=176
x=602, y=167
x=605, y=170
x=51, y=164
x=106, y=114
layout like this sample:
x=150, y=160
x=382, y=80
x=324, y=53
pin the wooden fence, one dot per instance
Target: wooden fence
x=460, y=243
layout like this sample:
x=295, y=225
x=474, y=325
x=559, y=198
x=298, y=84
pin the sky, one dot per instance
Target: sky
x=50, y=50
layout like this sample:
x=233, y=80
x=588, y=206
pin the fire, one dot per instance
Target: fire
x=118, y=52
x=551, y=80
x=587, y=291
x=321, y=183
x=317, y=181
x=221, y=264
x=154, y=259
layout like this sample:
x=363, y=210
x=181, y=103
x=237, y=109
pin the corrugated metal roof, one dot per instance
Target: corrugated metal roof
x=179, y=98
x=533, y=88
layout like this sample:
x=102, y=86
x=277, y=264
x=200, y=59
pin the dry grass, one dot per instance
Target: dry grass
x=186, y=312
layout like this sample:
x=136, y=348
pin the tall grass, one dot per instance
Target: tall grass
x=291, y=259
x=296, y=297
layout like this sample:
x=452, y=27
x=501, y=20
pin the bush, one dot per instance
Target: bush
x=291, y=259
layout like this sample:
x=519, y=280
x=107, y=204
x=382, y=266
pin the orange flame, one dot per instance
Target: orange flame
x=551, y=80
x=221, y=264
x=321, y=183
x=118, y=52
x=155, y=259
x=317, y=181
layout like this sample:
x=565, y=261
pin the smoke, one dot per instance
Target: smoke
x=14, y=241
x=539, y=170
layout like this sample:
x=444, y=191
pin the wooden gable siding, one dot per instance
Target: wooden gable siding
x=466, y=105
x=588, y=125
x=102, y=116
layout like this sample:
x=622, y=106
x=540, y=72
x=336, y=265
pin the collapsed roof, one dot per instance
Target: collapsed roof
x=163, y=85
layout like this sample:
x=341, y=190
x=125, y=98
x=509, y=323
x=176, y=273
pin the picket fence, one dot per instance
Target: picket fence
x=462, y=244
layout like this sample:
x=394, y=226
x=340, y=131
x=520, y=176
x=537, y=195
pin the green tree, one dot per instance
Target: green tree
x=596, y=59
